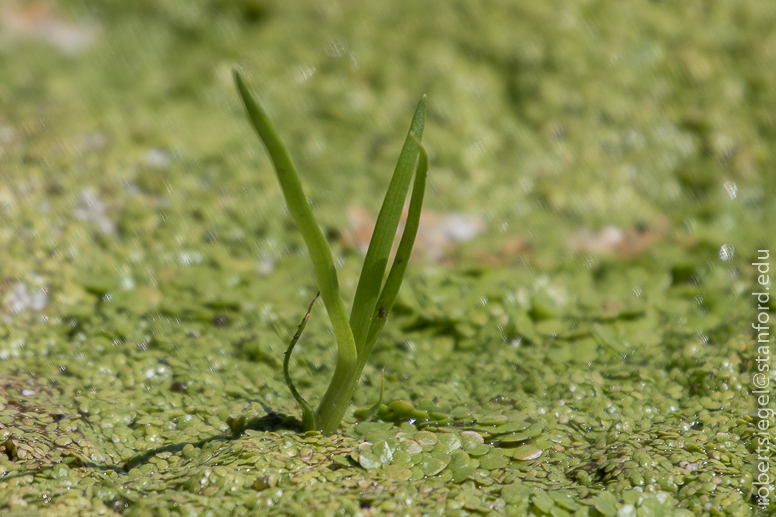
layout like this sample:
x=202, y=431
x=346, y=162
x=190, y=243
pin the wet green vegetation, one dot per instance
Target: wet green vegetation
x=377, y=286
x=587, y=353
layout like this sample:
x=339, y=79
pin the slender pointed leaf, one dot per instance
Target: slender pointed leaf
x=320, y=253
x=310, y=419
x=376, y=260
x=407, y=242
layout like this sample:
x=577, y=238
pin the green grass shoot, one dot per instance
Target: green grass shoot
x=375, y=294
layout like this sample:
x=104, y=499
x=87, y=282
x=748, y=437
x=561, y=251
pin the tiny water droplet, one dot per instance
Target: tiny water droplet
x=726, y=252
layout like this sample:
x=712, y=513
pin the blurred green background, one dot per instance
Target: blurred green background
x=601, y=179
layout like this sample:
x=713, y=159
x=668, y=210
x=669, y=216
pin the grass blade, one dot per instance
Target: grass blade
x=310, y=419
x=376, y=260
x=396, y=275
x=319, y=250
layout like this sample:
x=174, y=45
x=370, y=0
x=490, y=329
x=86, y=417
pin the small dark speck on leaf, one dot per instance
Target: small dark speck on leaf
x=221, y=321
x=178, y=387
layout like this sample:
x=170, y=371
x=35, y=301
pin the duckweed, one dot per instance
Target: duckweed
x=586, y=354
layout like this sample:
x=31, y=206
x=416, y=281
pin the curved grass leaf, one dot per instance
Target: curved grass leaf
x=396, y=275
x=371, y=280
x=310, y=419
x=319, y=250
x=341, y=387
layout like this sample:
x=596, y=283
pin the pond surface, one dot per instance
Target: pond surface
x=574, y=333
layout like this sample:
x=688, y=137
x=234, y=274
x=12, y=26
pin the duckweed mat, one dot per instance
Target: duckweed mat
x=574, y=336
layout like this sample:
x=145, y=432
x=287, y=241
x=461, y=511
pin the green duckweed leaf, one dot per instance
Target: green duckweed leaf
x=543, y=501
x=493, y=461
x=398, y=472
x=471, y=439
x=433, y=465
x=605, y=505
x=527, y=452
x=368, y=459
x=452, y=441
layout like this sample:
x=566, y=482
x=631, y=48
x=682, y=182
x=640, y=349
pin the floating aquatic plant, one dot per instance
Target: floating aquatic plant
x=375, y=294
